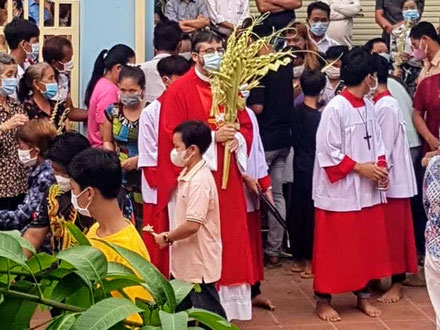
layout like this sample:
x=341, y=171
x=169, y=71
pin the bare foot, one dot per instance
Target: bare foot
x=262, y=302
x=326, y=312
x=366, y=307
x=393, y=295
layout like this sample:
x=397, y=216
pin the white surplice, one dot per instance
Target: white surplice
x=341, y=133
x=402, y=178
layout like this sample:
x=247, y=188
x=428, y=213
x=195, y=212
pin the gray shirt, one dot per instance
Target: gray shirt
x=392, y=9
x=181, y=10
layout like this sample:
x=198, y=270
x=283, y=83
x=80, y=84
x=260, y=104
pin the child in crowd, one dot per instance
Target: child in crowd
x=305, y=122
x=96, y=179
x=195, y=238
x=34, y=139
x=56, y=206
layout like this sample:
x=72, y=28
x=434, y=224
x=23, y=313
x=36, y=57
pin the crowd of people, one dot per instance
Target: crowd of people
x=342, y=142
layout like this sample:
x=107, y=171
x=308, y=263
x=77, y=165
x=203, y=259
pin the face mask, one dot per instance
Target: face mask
x=212, y=61
x=186, y=55
x=9, y=86
x=319, y=28
x=83, y=211
x=67, y=67
x=411, y=15
x=373, y=89
x=34, y=53
x=298, y=71
x=419, y=54
x=385, y=56
x=333, y=72
x=63, y=182
x=51, y=90
x=130, y=100
x=178, y=158
x=25, y=158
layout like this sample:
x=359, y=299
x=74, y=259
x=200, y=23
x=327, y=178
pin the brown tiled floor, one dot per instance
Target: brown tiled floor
x=293, y=298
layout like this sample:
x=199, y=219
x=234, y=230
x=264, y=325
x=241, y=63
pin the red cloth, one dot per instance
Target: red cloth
x=400, y=232
x=427, y=101
x=254, y=227
x=378, y=96
x=265, y=183
x=340, y=171
x=189, y=98
x=159, y=257
x=355, y=101
x=350, y=249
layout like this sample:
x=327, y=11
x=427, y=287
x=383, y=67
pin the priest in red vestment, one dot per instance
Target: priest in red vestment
x=349, y=179
x=190, y=98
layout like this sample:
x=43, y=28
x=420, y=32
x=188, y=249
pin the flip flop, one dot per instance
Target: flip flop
x=297, y=268
x=306, y=275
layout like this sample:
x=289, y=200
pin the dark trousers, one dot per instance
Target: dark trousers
x=207, y=299
x=326, y=297
x=255, y=290
x=302, y=223
x=11, y=203
x=418, y=211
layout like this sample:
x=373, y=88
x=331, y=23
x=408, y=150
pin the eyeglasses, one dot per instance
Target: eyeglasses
x=211, y=51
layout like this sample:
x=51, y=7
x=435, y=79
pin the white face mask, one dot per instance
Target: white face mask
x=25, y=157
x=83, y=211
x=372, y=89
x=298, y=71
x=178, y=158
x=63, y=182
x=333, y=72
x=186, y=55
x=67, y=67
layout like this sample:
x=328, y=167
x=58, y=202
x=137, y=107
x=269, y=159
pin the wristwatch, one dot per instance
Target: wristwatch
x=167, y=240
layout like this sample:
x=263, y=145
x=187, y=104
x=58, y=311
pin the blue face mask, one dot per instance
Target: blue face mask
x=9, y=86
x=34, y=53
x=51, y=91
x=411, y=15
x=212, y=61
x=319, y=28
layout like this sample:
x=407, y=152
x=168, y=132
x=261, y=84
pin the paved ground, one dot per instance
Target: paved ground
x=293, y=298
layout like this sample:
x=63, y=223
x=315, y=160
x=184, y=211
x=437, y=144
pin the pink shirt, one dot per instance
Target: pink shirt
x=104, y=94
x=198, y=258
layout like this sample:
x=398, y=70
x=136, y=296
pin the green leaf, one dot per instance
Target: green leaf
x=120, y=283
x=24, y=243
x=195, y=328
x=105, y=314
x=178, y=321
x=115, y=268
x=63, y=323
x=43, y=259
x=70, y=284
x=78, y=234
x=10, y=248
x=181, y=290
x=210, y=319
x=16, y=313
x=80, y=298
x=155, y=282
x=150, y=327
x=88, y=260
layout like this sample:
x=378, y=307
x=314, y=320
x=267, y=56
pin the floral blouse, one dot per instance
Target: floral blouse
x=13, y=175
x=431, y=200
x=34, y=112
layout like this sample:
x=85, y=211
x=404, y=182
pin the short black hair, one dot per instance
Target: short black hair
x=173, y=65
x=20, y=29
x=312, y=82
x=134, y=73
x=196, y=133
x=66, y=146
x=335, y=52
x=99, y=169
x=318, y=5
x=356, y=66
x=370, y=43
x=204, y=36
x=424, y=29
x=382, y=68
x=53, y=49
x=167, y=35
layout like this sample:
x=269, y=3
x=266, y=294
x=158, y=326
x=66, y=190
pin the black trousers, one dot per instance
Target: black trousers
x=302, y=223
x=207, y=299
x=11, y=203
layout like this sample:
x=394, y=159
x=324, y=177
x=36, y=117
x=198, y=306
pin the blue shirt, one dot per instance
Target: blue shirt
x=39, y=181
x=431, y=201
x=34, y=12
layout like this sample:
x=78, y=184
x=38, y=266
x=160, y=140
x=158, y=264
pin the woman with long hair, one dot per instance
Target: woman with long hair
x=102, y=90
x=299, y=36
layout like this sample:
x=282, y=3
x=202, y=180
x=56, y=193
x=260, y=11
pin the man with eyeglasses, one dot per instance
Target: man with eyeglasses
x=190, y=98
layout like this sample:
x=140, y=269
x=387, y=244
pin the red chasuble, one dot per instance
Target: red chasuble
x=190, y=98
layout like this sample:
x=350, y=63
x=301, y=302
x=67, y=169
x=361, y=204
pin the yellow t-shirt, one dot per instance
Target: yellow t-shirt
x=130, y=239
